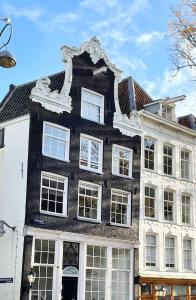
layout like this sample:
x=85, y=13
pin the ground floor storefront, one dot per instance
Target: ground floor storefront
x=73, y=266
x=166, y=289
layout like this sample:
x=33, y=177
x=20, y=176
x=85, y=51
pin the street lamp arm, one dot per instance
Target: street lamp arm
x=10, y=35
x=11, y=227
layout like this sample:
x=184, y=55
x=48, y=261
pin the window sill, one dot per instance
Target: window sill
x=53, y=214
x=123, y=176
x=90, y=170
x=120, y=225
x=50, y=156
x=89, y=220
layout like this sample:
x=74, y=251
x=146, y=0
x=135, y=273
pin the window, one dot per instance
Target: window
x=149, y=153
x=170, y=252
x=167, y=160
x=89, y=201
x=2, y=133
x=185, y=164
x=187, y=254
x=91, y=153
x=120, y=274
x=149, y=202
x=56, y=141
x=186, y=209
x=96, y=263
x=120, y=207
x=168, y=205
x=167, y=112
x=151, y=249
x=43, y=265
x=122, y=161
x=92, y=106
x=53, y=198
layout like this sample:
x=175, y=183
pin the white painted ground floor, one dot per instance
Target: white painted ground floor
x=73, y=266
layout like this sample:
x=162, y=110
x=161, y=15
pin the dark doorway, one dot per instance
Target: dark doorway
x=69, y=288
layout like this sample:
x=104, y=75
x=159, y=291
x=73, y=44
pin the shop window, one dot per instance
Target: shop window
x=179, y=292
x=120, y=273
x=149, y=153
x=91, y=153
x=146, y=289
x=53, y=197
x=96, y=262
x=43, y=265
x=122, y=161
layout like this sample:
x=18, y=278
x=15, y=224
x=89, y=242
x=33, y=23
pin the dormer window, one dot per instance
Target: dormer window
x=92, y=106
x=168, y=112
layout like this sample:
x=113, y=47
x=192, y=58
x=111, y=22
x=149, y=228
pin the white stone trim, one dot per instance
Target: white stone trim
x=128, y=126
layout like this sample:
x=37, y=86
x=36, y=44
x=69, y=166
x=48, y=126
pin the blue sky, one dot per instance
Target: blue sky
x=133, y=33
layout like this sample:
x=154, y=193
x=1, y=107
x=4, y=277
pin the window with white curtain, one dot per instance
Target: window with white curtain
x=170, y=252
x=187, y=254
x=151, y=250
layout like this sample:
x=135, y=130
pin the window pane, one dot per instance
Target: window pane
x=120, y=207
x=121, y=161
x=90, y=153
x=92, y=106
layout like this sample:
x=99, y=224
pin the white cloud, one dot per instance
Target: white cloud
x=100, y=6
x=170, y=86
x=148, y=38
x=42, y=18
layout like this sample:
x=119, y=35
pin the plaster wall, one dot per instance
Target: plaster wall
x=13, y=178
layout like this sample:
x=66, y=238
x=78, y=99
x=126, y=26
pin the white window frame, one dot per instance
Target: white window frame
x=168, y=156
x=173, y=206
x=192, y=254
x=119, y=147
x=153, y=151
x=190, y=215
x=185, y=161
x=66, y=158
x=65, y=179
x=169, y=113
x=156, y=250
x=175, y=260
x=101, y=106
x=155, y=201
x=99, y=187
x=128, y=208
x=34, y=264
x=100, y=158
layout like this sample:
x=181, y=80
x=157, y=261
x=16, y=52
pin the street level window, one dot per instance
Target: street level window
x=53, y=195
x=120, y=207
x=167, y=160
x=122, y=161
x=92, y=106
x=149, y=202
x=89, y=201
x=91, y=153
x=149, y=153
x=120, y=274
x=186, y=209
x=187, y=254
x=43, y=265
x=169, y=252
x=56, y=141
x=168, y=205
x=96, y=264
x=185, y=164
x=151, y=251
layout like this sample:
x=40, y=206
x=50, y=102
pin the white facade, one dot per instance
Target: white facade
x=13, y=182
x=164, y=132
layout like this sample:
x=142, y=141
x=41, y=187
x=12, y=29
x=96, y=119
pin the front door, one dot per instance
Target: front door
x=69, y=288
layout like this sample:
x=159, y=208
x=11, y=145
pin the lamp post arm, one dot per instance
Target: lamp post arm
x=11, y=227
x=9, y=38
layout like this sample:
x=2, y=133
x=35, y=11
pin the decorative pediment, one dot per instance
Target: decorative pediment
x=51, y=100
x=130, y=126
x=96, y=52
